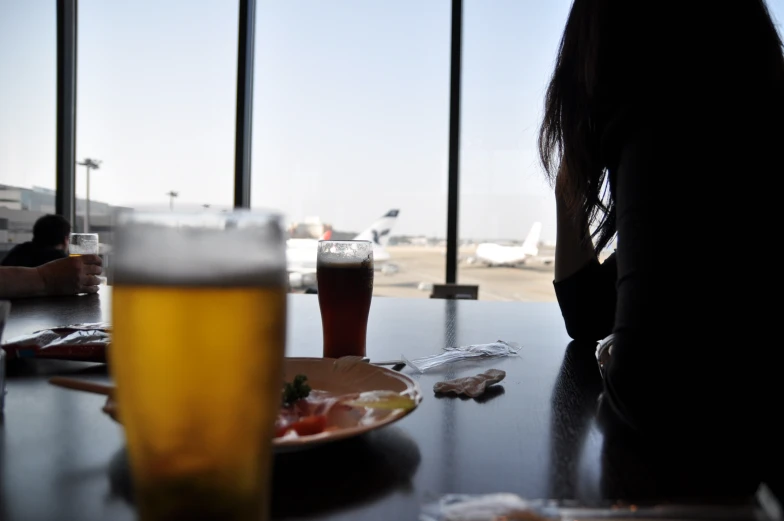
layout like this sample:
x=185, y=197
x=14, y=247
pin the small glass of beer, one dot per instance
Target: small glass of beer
x=83, y=244
x=344, y=275
x=199, y=327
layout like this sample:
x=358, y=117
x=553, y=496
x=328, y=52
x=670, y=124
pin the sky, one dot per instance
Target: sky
x=351, y=107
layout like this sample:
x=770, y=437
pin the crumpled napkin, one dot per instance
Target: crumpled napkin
x=472, y=386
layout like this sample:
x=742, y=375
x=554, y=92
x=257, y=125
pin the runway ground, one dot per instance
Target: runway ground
x=419, y=267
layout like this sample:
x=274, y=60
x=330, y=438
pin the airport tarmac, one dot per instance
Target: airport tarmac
x=418, y=267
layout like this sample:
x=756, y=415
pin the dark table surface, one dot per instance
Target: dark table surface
x=534, y=435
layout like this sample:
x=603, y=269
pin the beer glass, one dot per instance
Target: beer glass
x=199, y=326
x=83, y=244
x=344, y=275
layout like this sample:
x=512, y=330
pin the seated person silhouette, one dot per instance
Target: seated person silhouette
x=50, y=242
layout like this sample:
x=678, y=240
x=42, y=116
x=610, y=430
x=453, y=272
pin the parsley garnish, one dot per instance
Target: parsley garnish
x=296, y=390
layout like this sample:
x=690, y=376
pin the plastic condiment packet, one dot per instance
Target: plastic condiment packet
x=496, y=349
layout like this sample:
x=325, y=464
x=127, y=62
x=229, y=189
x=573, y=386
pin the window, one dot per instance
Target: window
x=509, y=50
x=156, y=106
x=351, y=120
x=28, y=65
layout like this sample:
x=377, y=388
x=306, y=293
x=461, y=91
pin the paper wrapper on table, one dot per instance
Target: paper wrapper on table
x=487, y=507
x=511, y=507
x=78, y=342
x=455, y=354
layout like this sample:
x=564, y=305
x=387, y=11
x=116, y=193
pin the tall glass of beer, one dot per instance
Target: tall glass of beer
x=199, y=325
x=344, y=275
x=83, y=244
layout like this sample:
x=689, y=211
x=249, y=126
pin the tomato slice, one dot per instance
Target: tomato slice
x=309, y=425
x=281, y=429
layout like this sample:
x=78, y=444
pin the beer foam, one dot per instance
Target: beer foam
x=193, y=278
x=328, y=258
x=199, y=257
x=345, y=253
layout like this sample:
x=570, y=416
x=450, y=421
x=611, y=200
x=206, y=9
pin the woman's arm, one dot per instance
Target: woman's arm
x=585, y=289
x=572, y=252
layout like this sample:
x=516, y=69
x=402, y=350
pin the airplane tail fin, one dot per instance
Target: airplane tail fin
x=378, y=232
x=531, y=242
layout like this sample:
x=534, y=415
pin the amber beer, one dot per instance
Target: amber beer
x=345, y=288
x=197, y=354
x=198, y=376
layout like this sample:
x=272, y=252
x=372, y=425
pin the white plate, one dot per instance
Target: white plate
x=346, y=375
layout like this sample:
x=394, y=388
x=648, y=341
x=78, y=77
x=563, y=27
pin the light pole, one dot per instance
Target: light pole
x=88, y=164
x=172, y=194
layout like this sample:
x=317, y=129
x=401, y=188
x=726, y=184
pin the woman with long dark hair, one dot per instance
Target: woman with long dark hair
x=663, y=132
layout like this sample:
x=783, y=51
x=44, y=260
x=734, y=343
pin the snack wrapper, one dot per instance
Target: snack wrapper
x=78, y=342
x=472, y=352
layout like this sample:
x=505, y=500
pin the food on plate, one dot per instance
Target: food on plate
x=381, y=400
x=296, y=390
x=472, y=386
x=305, y=411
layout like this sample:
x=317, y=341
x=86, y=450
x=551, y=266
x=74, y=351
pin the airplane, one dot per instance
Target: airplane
x=493, y=254
x=301, y=254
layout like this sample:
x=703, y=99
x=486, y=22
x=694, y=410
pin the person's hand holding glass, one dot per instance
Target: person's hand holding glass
x=80, y=244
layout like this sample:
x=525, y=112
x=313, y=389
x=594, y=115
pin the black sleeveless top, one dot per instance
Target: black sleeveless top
x=692, y=288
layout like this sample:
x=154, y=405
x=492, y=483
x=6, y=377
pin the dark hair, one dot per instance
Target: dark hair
x=51, y=230
x=624, y=59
